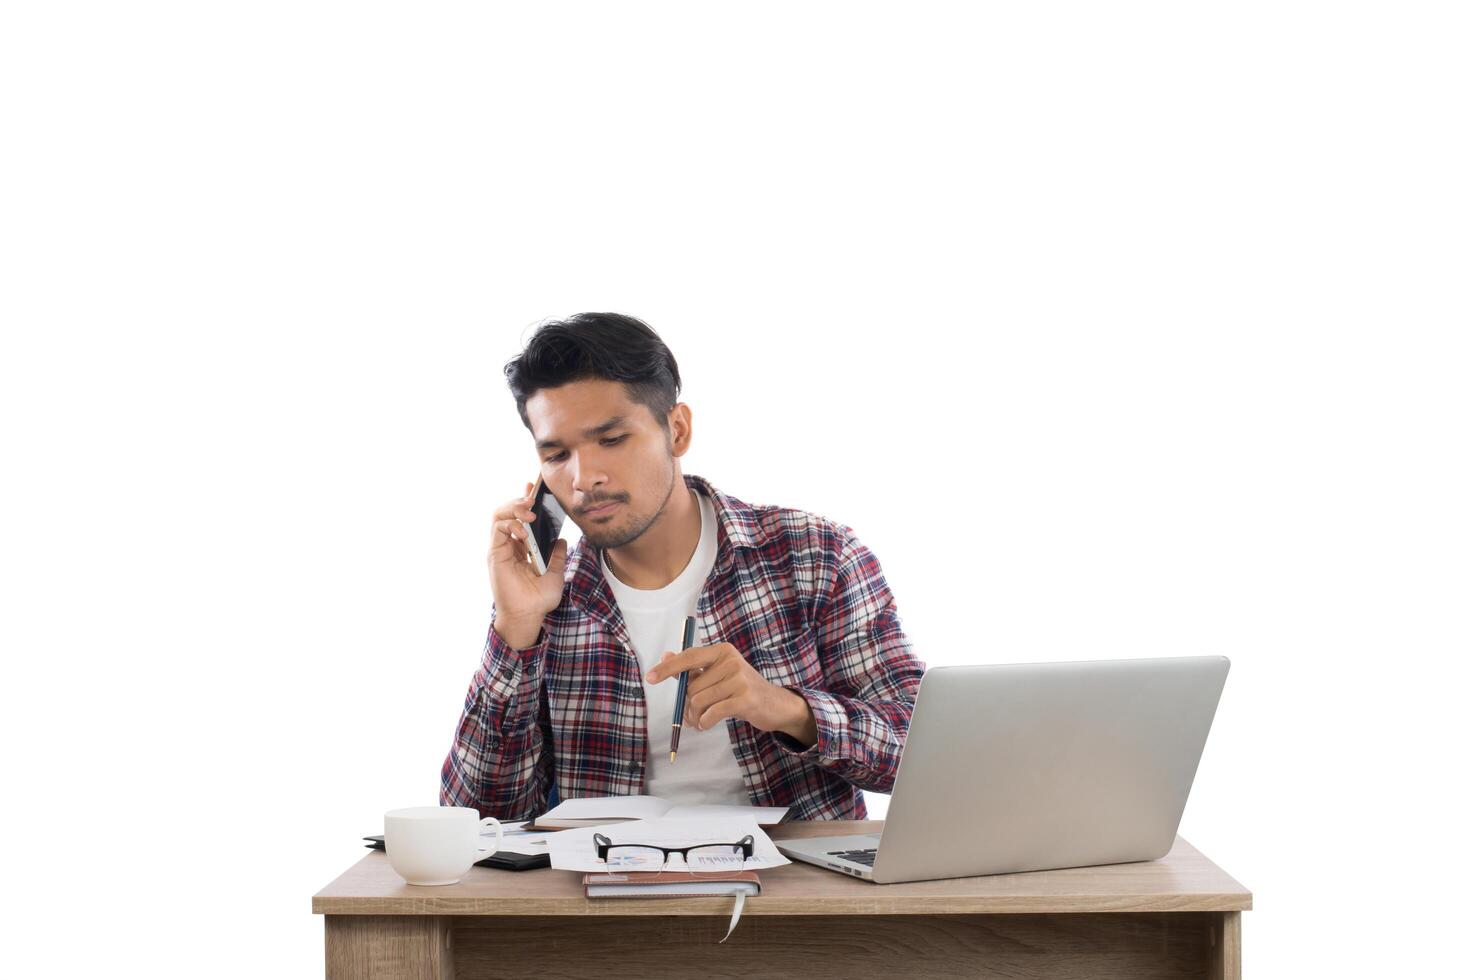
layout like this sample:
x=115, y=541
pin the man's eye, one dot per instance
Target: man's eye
x=606, y=442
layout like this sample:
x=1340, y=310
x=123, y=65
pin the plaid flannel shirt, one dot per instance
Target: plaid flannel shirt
x=802, y=600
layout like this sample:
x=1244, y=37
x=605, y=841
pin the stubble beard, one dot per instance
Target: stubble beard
x=613, y=538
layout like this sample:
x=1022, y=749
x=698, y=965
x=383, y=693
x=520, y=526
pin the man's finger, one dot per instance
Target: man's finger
x=720, y=710
x=700, y=702
x=518, y=509
x=680, y=662
x=509, y=538
x=709, y=676
x=510, y=528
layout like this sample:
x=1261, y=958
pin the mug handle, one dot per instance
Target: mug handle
x=480, y=852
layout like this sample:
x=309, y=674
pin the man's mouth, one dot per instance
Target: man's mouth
x=601, y=510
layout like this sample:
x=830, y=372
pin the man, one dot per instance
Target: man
x=802, y=682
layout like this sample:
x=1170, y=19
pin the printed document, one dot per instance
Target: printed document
x=574, y=850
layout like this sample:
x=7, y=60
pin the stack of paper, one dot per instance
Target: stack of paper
x=574, y=850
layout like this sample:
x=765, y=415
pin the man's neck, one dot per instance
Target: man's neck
x=663, y=551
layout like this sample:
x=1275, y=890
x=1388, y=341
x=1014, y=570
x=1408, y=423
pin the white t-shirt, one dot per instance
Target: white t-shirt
x=706, y=770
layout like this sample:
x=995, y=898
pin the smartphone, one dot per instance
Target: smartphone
x=546, y=528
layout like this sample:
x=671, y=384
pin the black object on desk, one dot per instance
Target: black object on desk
x=504, y=860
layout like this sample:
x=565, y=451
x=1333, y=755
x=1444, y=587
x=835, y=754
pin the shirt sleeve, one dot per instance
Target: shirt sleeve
x=870, y=675
x=502, y=759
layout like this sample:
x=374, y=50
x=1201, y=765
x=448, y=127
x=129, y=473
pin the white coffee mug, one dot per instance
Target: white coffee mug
x=436, y=845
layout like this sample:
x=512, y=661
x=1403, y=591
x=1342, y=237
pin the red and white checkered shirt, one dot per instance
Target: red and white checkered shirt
x=798, y=595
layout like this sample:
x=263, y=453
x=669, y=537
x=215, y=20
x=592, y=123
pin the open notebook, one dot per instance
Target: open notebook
x=592, y=810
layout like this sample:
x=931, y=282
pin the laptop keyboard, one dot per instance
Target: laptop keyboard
x=865, y=856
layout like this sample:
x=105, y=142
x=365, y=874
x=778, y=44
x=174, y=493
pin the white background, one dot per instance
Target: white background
x=1161, y=305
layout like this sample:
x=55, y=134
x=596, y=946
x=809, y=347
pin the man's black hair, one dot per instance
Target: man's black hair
x=609, y=346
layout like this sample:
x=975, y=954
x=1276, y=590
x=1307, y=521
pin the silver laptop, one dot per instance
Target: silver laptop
x=1025, y=767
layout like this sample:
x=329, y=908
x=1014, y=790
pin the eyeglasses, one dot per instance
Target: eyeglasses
x=651, y=857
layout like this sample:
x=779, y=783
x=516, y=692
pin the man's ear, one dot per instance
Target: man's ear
x=680, y=429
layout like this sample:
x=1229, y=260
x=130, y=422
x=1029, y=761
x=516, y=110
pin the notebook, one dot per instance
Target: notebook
x=675, y=884
x=669, y=884
x=590, y=811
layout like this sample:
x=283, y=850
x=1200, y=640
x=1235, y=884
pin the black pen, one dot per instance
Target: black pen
x=683, y=691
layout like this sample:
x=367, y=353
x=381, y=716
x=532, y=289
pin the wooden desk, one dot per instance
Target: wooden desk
x=1175, y=917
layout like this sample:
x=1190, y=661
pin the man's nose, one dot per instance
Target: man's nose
x=588, y=474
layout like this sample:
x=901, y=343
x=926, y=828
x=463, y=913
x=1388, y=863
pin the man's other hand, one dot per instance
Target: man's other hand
x=724, y=685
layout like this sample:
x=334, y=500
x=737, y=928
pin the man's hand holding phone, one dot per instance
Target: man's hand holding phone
x=522, y=597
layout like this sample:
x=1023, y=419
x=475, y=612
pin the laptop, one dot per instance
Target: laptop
x=1028, y=767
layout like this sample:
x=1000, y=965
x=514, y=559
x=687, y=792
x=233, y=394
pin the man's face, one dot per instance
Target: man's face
x=587, y=462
